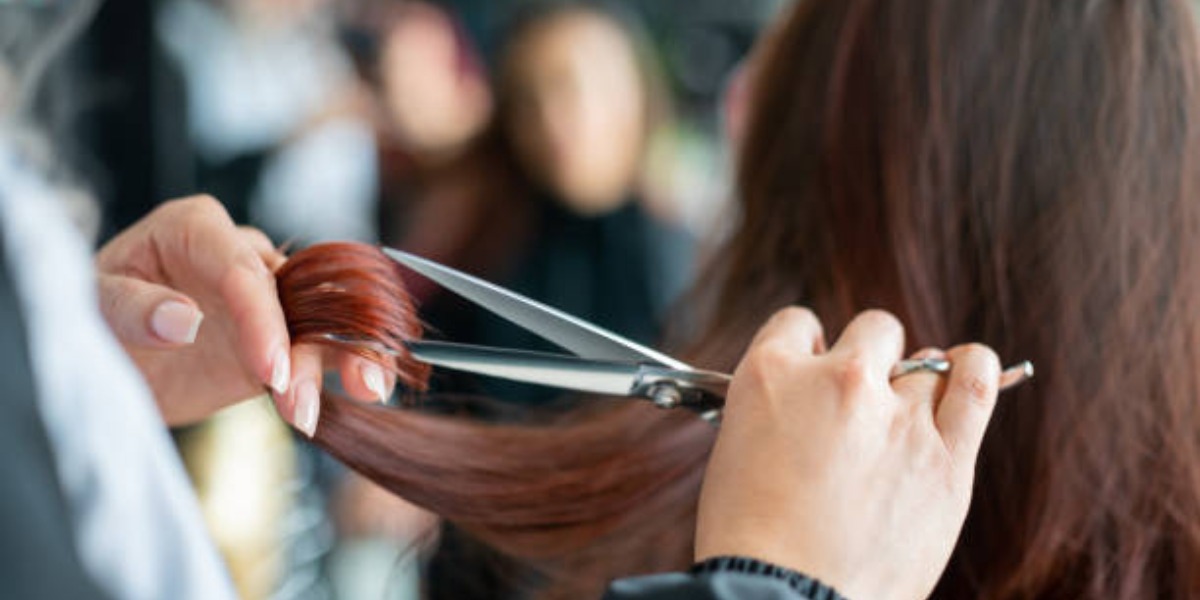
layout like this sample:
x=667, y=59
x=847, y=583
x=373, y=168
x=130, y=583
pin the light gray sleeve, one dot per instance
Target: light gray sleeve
x=136, y=522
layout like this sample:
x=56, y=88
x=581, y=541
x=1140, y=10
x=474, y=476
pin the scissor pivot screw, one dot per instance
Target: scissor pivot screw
x=666, y=396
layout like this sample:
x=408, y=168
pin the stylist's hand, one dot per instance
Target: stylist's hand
x=192, y=298
x=825, y=467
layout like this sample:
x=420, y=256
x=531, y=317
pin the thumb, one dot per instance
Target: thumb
x=147, y=314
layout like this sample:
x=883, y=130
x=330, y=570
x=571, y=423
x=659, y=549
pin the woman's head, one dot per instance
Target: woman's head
x=576, y=104
x=1022, y=173
x=434, y=94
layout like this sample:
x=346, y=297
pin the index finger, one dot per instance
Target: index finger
x=262, y=245
x=790, y=336
x=795, y=328
x=877, y=338
x=199, y=241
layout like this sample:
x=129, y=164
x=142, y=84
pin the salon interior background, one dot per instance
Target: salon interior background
x=282, y=110
x=138, y=127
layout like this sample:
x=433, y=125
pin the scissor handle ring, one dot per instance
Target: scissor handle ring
x=920, y=365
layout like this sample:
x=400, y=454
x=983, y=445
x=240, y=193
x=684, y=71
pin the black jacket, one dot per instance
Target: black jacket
x=726, y=578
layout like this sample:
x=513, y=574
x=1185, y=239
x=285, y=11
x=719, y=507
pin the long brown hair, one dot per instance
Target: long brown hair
x=1021, y=173
x=566, y=498
x=1017, y=172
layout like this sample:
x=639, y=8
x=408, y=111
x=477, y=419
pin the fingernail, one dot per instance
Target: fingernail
x=281, y=371
x=372, y=376
x=308, y=407
x=176, y=322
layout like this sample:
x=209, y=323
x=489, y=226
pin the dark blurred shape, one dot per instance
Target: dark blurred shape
x=263, y=82
x=126, y=113
x=38, y=555
x=705, y=40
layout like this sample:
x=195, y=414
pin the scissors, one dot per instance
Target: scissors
x=603, y=362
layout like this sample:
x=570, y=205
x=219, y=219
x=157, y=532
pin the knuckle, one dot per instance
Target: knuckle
x=238, y=282
x=245, y=270
x=985, y=355
x=766, y=365
x=797, y=315
x=882, y=320
x=852, y=372
x=773, y=358
x=259, y=243
x=255, y=235
x=797, y=325
x=976, y=390
x=789, y=317
x=204, y=203
x=177, y=214
x=177, y=205
x=199, y=207
x=206, y=227
x=124, y=307
x=169, y=209
x=112, y=298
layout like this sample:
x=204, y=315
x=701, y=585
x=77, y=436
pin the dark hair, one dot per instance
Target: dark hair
x=1016, y=172
x=1021, y=173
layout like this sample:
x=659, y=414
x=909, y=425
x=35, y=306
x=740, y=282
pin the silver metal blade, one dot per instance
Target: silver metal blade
x=572, y=333
x=566, y=372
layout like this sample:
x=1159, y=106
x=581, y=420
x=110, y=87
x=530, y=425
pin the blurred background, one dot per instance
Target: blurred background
x=577, y=152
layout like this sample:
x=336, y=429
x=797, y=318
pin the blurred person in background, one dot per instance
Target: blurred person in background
x=534, y=184
x=444, y=185
x=580, y=97
x=577, y=105
x=577, y=98
x=434, y=89
x=271, y=115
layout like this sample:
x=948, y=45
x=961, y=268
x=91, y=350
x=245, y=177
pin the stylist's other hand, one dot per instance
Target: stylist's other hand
x=824, y=466
x=192, y=298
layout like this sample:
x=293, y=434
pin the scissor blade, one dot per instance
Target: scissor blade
x=571, y=333
x=566, y=372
